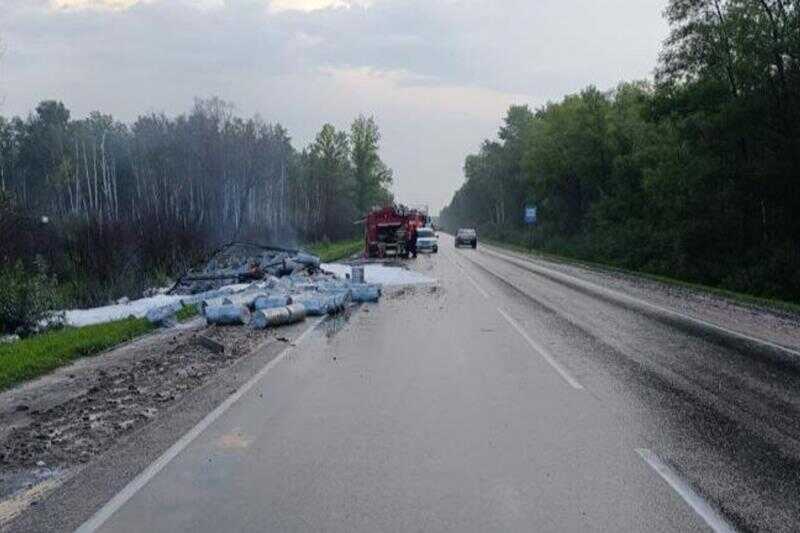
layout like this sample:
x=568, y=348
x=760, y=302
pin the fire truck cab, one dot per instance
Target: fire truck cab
x=392, y=232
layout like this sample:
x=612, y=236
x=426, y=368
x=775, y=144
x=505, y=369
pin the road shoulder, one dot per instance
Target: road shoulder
x=761, y=321
x=75, y=497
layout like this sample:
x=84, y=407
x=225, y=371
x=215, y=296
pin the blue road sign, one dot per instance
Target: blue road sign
x=530, y=215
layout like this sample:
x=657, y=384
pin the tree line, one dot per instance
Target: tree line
x=694, y=175
x=108, y=208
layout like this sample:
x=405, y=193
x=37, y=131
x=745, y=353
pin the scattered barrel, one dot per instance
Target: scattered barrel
x=227, y=315
x=362, y=293
x=357, y=274
x=276, y=317
x=164, y=315
x=271, y=318
x=315, y=304
x=297, y=312
x=271, y=301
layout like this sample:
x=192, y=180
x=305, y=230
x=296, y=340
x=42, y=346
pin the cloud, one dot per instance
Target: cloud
x=92, y=4
x=119, y=4
x=438, y=74
x=540, y=47
x=277, y=6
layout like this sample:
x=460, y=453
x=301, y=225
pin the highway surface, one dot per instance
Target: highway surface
x=495, y=400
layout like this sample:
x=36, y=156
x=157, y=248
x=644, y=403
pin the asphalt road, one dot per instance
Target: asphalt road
x=493, y=400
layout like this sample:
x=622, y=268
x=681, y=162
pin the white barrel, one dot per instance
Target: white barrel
x=357, y=275
x=227, y=315
x=316, y=304
x=271, y=301
x=164, y=315
x=365, y=293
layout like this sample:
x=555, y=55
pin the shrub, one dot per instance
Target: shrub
x=27, y=297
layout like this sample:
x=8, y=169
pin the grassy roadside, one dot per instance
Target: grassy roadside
x=334, y=251
x=41, y=354
x=737, y=297
x=187, y=312
x=34, y=356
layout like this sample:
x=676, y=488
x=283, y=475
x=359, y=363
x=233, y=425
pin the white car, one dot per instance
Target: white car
x=427, y=241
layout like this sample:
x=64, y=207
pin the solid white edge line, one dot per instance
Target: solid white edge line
x=471, y=280
x=130, y=490
x=711, y=516
x=542, y=352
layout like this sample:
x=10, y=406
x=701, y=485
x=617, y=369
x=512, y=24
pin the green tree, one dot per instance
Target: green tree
x=568, y=158
x=372, y=177
x=331, y=174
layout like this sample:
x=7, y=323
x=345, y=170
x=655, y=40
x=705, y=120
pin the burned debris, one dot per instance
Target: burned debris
x=245, y=263
x=263, y=287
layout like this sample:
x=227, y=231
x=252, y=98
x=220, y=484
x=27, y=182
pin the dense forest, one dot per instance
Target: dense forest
x=93, y=209
x=695, y=175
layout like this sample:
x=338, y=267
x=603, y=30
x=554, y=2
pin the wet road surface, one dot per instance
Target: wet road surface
x=492, y=400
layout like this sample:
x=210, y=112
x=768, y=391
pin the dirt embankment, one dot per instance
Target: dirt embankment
x=50, y=426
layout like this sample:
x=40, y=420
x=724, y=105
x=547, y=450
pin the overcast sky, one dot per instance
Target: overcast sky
x=438, y=75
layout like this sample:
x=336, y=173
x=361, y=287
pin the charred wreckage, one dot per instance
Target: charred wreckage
x=261, y=287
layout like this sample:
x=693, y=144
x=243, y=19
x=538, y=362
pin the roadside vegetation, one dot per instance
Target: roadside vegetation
x=40, y=354
x=92, y=209
x=692, y=176
x=26, y=297
x=187, y=312
x=335, y=251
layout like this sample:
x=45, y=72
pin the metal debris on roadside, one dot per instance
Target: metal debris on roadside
x=260, y=286
x=241, y=262
x=210, y=344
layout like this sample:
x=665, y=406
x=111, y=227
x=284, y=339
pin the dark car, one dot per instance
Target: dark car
x=466, y=237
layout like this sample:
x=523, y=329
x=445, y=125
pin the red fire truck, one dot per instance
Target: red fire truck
x=392, y=231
